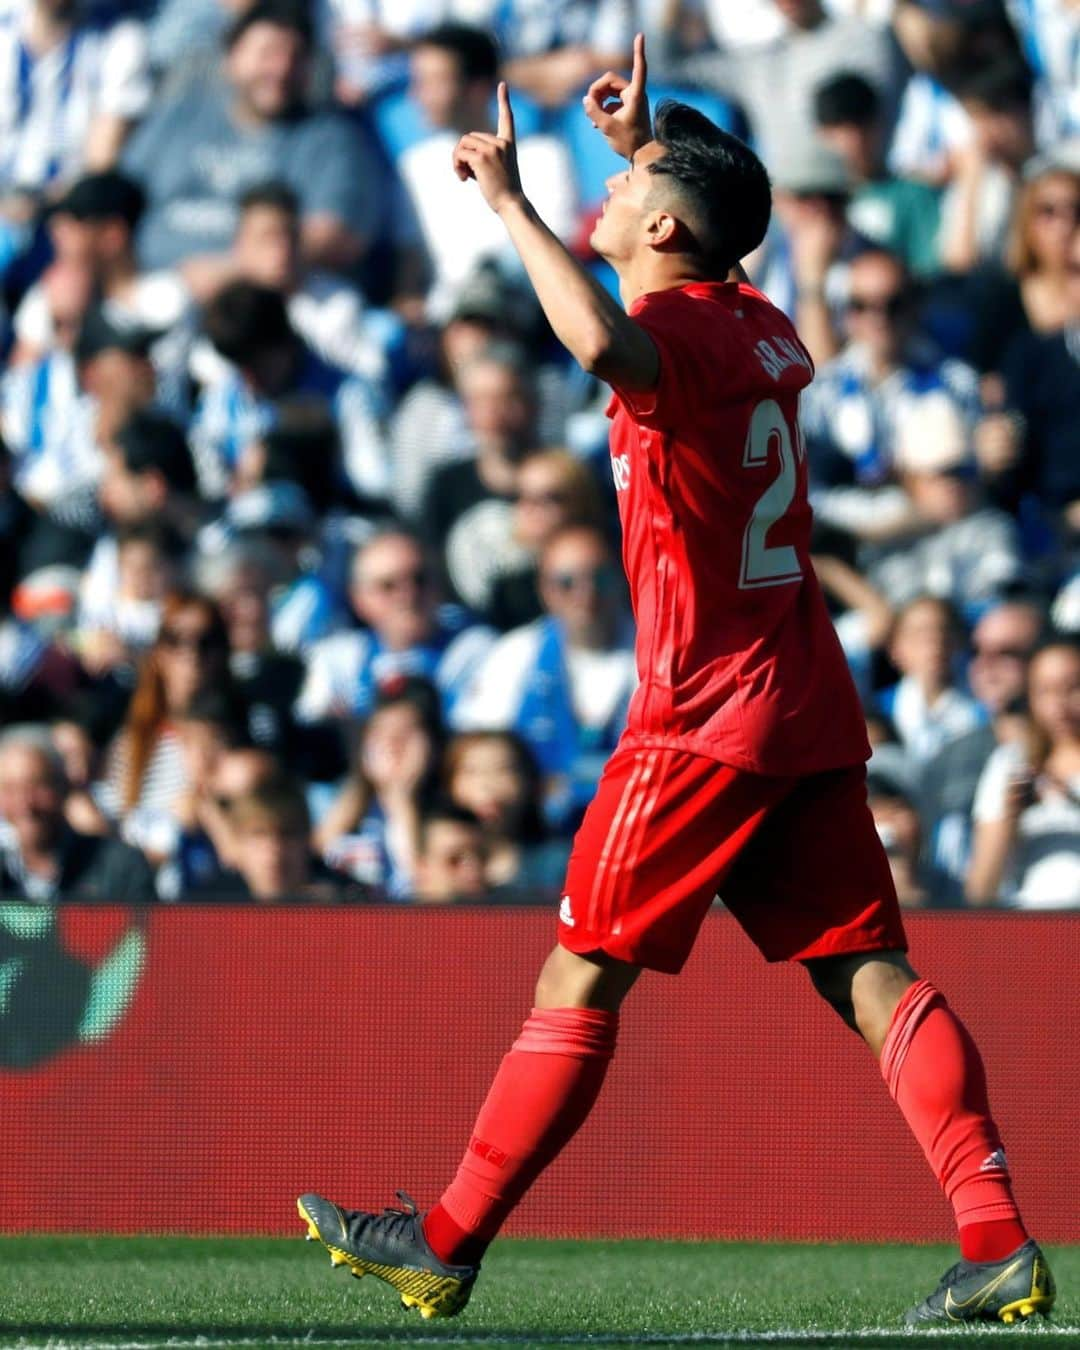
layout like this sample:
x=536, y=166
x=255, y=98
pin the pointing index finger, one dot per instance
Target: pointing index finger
x=640, y=70
x=506, y=113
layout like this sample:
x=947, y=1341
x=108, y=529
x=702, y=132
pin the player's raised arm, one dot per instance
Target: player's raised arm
x=619, y=107
x=585, y=319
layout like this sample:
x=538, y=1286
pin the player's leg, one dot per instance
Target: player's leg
x=814, y=886
x=543, y=1091
x=935, y=1074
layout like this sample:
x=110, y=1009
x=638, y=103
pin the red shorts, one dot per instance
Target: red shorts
x=796, y=860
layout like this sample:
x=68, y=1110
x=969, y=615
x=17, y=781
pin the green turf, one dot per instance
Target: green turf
x=112, y=1292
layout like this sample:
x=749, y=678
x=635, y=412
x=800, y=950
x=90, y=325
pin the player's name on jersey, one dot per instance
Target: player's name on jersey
x=776, y=354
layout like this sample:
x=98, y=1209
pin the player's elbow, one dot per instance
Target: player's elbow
x=595, y=350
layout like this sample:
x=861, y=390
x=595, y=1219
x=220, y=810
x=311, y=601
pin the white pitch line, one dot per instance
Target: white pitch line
x=899, y=1335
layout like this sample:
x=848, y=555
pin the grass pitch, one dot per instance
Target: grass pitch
x=153, y=1292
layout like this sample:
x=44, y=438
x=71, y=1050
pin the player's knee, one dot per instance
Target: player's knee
x=568, y=980
x=832, y=980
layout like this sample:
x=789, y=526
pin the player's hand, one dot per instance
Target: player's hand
x=492, y=160
x=619, y=107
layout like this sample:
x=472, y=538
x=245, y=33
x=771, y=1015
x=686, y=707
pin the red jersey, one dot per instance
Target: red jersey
x=736, y=654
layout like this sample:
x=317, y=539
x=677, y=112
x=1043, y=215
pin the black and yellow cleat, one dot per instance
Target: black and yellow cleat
x=1008, y=1291
x=391, y=1246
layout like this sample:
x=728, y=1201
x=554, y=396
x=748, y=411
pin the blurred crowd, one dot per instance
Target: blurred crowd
x=310, y=580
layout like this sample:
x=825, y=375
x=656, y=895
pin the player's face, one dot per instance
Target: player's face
x=619, y=232
x=1054, y=693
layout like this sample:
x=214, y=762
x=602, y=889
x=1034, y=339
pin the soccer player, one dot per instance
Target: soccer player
x=741, y=770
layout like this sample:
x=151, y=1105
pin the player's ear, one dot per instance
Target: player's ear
x=662, y=229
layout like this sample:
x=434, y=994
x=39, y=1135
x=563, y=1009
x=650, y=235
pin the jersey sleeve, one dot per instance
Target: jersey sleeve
x=690, y=371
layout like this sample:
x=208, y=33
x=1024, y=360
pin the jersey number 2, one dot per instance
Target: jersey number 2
x=762, y=565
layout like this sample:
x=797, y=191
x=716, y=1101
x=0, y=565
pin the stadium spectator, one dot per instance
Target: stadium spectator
x=70, y=91
x=563, y=683
x=1042, y=385
x=41, y=857
x=190, y=656
x=1001, y=645
x=774, y=82
x=959, y=547
x=180, y=838
x=891, y=795
x=554, y=47
x=272, y=858
x=451, y=856
x=56, y=305
x=1026, y=848
x=394, y=593
x=943, y=41
x=113, y=630
x=1048, y=36
x=897, y=214
x=495, y=776
x=453, y=70
x=803, y=264
x=371, y=829
x=1029, y=293
x=853, y=410
x=243, y=581
x=555, y=489
x=58, y=414
x=462, y=498
x=93, y=228
x=326, y=311
x=197, y=153
x=79, y=736
x=270, y=365
x=861, y=615
x=978, y=202
x=925, y=705
x=430, y=427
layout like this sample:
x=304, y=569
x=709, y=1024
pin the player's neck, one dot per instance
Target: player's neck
x=653, y=272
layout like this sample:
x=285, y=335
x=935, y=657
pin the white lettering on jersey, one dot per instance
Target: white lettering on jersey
x=777, y=354
x=620, y=471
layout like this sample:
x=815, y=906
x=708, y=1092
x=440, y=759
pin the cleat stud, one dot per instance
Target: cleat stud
x=427, y=1314
x=336, y=1260
x=1007, y=1318
x=356, y=1274
x=407, y=1301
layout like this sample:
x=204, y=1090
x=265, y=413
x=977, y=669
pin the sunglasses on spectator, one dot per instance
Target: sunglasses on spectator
x=601, y=578
x=891, y=306
x=202, y=644
x=417, y=577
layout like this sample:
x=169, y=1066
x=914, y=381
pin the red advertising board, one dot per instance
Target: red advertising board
x=191, y=1070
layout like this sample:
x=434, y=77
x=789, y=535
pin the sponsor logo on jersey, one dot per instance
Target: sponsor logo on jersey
x=565, y=913
x=620, y=471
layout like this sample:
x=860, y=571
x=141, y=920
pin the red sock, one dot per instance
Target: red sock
x=542, y=1093
x=935, y=1074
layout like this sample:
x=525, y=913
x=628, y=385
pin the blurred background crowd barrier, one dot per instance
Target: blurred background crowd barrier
x=191, y=1070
